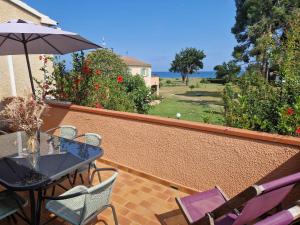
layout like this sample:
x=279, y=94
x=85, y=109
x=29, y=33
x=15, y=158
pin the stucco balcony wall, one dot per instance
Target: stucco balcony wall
x=185, y=154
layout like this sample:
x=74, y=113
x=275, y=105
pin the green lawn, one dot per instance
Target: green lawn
x=203, y=103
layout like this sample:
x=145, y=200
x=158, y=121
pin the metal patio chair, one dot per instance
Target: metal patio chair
x=65, y=131
x=10, y=205
x=81, y=204
x=3, y=132
x=91, y=139
x=214, y=207
x=284, y=217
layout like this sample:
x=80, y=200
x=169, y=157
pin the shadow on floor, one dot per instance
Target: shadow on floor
x=173, y=217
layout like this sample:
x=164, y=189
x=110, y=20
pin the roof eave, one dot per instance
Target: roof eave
x=44, y=19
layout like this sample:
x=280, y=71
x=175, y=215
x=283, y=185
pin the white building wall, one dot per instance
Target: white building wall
x=143, y=71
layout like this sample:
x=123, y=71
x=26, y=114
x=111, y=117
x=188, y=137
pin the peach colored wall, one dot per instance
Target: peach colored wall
x=9, y=11
x=196, y=155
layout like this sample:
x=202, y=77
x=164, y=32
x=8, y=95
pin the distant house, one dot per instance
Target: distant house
x=138, y=67
x=14, y=78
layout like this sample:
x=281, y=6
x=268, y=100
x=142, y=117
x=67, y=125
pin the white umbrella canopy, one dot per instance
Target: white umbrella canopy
x=24, y=37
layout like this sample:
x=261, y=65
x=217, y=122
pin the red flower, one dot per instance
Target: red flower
x=78, y=80
x=99, y=106
x=297, y=131
x=120, y=79
x=98, y=72
x=46, y=86
x=97, y=86
x=290, y=111
x=64, y=95
x=86, y=70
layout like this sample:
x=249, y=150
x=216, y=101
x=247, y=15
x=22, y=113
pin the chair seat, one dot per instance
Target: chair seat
x=68, y=209
x=196, y=206
x=8, y=203
x=226, y=220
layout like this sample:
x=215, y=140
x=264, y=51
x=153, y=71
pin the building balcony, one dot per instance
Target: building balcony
x=160, y=159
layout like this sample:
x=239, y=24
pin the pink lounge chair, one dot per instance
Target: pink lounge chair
x=214, y=207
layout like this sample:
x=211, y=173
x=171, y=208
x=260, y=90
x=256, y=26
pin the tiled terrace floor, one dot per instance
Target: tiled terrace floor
x=138, y=201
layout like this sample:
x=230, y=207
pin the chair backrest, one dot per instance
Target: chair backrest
x=67, y=131
x=98, y=197
x=284, y=217
x=92, y=139
x=3, y=132
x=258, y=199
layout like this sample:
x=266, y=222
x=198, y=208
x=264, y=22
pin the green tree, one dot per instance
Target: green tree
x=261, y=25
x=259, y=105
x=186, y=62
x=228, y=71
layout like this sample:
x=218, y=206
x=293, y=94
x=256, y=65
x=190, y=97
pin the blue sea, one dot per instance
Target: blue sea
x=204, y=74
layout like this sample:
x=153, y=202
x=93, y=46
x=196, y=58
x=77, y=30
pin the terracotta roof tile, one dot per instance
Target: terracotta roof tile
x=130, y=61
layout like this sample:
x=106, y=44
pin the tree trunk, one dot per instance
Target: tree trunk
x=187, y=80
x=183, y=76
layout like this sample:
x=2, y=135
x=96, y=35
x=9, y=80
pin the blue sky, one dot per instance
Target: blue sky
x=152, y=31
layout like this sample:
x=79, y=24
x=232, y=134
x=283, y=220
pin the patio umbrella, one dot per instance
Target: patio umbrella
x=24, y=37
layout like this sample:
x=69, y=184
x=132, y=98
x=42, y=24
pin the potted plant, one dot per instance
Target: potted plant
x=24, y=114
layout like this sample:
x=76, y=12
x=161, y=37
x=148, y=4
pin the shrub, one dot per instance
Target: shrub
x=216, y=81
x=204, y=81
x=252, y=104
x=192, y=87
x=256, y=104
x=101, y=80
x=168, y=82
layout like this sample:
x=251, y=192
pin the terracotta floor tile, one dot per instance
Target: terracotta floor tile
x=146, y=189
x=145, y=204
x=118, y=199
x=130, y=205
x=137, y=201
x=138, y=218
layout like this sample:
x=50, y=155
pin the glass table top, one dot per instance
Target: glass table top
x=58, y=157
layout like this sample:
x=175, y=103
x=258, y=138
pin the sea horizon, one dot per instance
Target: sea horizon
x=202, y=74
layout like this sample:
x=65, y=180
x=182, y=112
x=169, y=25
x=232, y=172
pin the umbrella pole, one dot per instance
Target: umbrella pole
x=28, y=66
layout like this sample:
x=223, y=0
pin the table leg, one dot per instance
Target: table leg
x=32, y=207
x=38, y=207
x=35, y=207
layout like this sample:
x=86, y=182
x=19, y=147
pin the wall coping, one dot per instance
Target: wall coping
x=237, y=132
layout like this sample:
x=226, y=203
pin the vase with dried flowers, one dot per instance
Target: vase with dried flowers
x=24, y=114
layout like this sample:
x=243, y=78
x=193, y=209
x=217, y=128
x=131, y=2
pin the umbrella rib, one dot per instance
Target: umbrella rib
x=52, y=46
x=38, y=37
x=87, y=42
x=17, y=37
x=4, y=40
x=29, y=37
x=10, y=37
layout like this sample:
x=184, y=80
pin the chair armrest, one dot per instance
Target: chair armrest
x=98, y=170
x=3, y=132
x=54, y=128
x=77, y=136
x=62, y=197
